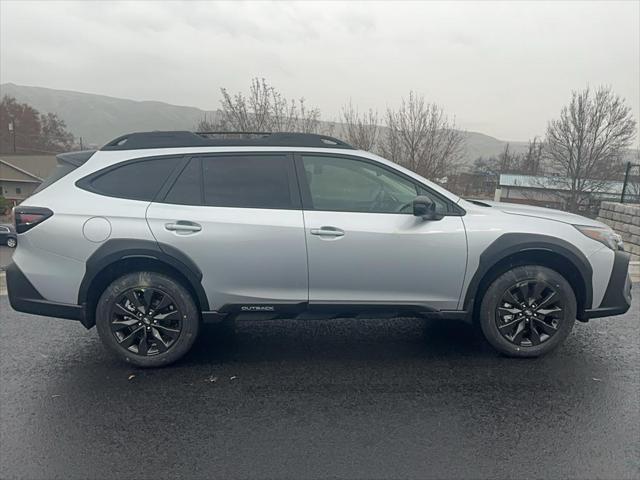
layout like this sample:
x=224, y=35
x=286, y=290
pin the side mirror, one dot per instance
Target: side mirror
x=424, y=207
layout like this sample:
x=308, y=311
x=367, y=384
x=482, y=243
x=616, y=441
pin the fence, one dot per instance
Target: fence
x=631, y=185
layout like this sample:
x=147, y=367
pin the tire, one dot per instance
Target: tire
x=153, y=307
x=527, y=311
x=12, y=242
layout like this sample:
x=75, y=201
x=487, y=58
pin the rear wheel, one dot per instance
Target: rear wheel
x=11, y=242
x=528, y=311
x=147, y=319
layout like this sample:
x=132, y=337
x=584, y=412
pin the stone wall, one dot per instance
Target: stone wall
x=624, y=218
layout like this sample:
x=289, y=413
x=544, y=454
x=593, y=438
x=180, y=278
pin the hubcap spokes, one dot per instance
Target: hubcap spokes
x=529, y=313
x=146, y=321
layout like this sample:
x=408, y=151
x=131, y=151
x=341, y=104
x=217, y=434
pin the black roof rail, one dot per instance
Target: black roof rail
x=176, y=139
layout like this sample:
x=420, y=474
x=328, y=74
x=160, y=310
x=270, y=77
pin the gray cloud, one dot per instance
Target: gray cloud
x=500, y=68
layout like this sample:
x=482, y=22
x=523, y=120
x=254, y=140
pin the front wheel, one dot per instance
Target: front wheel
x=147, y=319
x=12, y=242
x=528, y=311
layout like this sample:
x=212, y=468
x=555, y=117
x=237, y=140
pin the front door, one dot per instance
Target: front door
x=365, y=246
x=238, y=217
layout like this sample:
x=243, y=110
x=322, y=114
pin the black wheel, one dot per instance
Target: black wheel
x=528, y=311
x=147, y=319
x=11, y=242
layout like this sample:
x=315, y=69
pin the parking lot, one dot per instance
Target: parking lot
x=401, y=398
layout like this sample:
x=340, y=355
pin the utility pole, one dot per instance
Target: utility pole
x=81, y=144
x=12, y=129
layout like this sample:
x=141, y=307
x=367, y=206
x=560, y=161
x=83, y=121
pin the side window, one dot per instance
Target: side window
x=187, y=190
x=138, y=180
x=248, y=181
x=343, y=184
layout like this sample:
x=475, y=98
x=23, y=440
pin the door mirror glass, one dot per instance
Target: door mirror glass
x=425, y=208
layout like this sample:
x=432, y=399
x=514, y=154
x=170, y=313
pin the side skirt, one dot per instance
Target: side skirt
x=307, y=311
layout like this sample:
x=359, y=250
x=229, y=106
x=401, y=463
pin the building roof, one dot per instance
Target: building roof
x=26, y=168
x=553, y=183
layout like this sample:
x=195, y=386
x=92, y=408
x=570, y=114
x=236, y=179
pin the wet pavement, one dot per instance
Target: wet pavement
x=401, y=398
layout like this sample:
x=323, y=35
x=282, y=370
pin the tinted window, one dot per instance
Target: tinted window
x=342, y=184
x=187, y=190
x=259, y=181
x=136, y=180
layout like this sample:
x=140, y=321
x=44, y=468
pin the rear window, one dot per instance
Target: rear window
x=242, y=181
x=136, y=180
x=188, y=187
x=260, y=181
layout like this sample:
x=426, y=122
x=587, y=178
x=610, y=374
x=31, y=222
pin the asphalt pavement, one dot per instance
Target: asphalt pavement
x=402, y=398
x=5, y=256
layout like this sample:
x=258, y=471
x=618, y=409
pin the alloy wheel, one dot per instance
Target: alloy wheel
x=146, y=321
x=530, y=313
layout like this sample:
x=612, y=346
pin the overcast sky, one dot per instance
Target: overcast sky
x=501, y=68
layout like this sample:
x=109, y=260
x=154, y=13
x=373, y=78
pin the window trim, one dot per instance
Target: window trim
x=454, y=210
x=85, y=183
x=294, y=188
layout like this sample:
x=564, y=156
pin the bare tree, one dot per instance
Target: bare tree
x=421, y=137
x=586, y=144
x=263, y=109
x=531, y=161
x=209, y=123
x=360, y=130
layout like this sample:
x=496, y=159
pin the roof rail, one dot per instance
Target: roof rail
x=176, y=139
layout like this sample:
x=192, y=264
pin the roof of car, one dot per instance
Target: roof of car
x=176, y=139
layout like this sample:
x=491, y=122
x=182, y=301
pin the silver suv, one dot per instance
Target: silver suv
x=156, y=232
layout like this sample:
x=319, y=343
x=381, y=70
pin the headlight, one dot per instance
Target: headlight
x=606, y=236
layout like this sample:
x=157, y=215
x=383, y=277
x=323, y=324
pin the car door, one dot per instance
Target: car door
x=238, y=216
x=364, y=244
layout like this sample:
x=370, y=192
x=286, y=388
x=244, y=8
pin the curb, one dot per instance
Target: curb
x=634, y=271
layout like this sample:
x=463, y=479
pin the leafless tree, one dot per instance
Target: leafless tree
x=263, y=109
x=360, y=129
x=531, y=162
x=420, y=136
x=586, y=144
x=209, y=123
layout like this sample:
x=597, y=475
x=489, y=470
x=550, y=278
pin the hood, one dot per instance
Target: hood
x=541, y=212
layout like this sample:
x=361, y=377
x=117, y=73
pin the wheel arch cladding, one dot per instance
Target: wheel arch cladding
x=515, y=249
x=120, y=256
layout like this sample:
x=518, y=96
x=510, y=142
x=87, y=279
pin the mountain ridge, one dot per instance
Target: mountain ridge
x=99, y=118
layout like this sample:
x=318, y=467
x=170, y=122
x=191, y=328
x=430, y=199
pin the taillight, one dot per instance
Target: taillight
x=28, y=217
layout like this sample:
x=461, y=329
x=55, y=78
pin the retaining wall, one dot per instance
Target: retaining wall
x=624, y=218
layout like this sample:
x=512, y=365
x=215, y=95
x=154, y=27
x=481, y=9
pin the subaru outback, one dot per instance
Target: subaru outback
x=157, y=232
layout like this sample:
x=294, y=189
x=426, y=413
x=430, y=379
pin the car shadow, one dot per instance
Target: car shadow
x=369, y=340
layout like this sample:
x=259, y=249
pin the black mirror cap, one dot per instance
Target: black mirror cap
x=425, y=208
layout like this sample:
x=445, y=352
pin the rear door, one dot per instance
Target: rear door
x=364, y=244
x=239, y=217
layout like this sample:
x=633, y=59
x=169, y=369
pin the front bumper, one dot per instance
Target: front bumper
x=24, y=297
x=617, y=297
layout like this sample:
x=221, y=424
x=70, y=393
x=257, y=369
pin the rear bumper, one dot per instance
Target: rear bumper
x=617, y=297
x=25, y=298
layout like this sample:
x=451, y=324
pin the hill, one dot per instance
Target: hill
x=99, y=118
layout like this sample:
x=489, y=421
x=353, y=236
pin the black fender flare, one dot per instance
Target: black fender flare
x=512, y=243
x=115, y=250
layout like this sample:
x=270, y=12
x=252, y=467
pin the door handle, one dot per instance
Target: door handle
x=327, y=232
x=183, y=227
